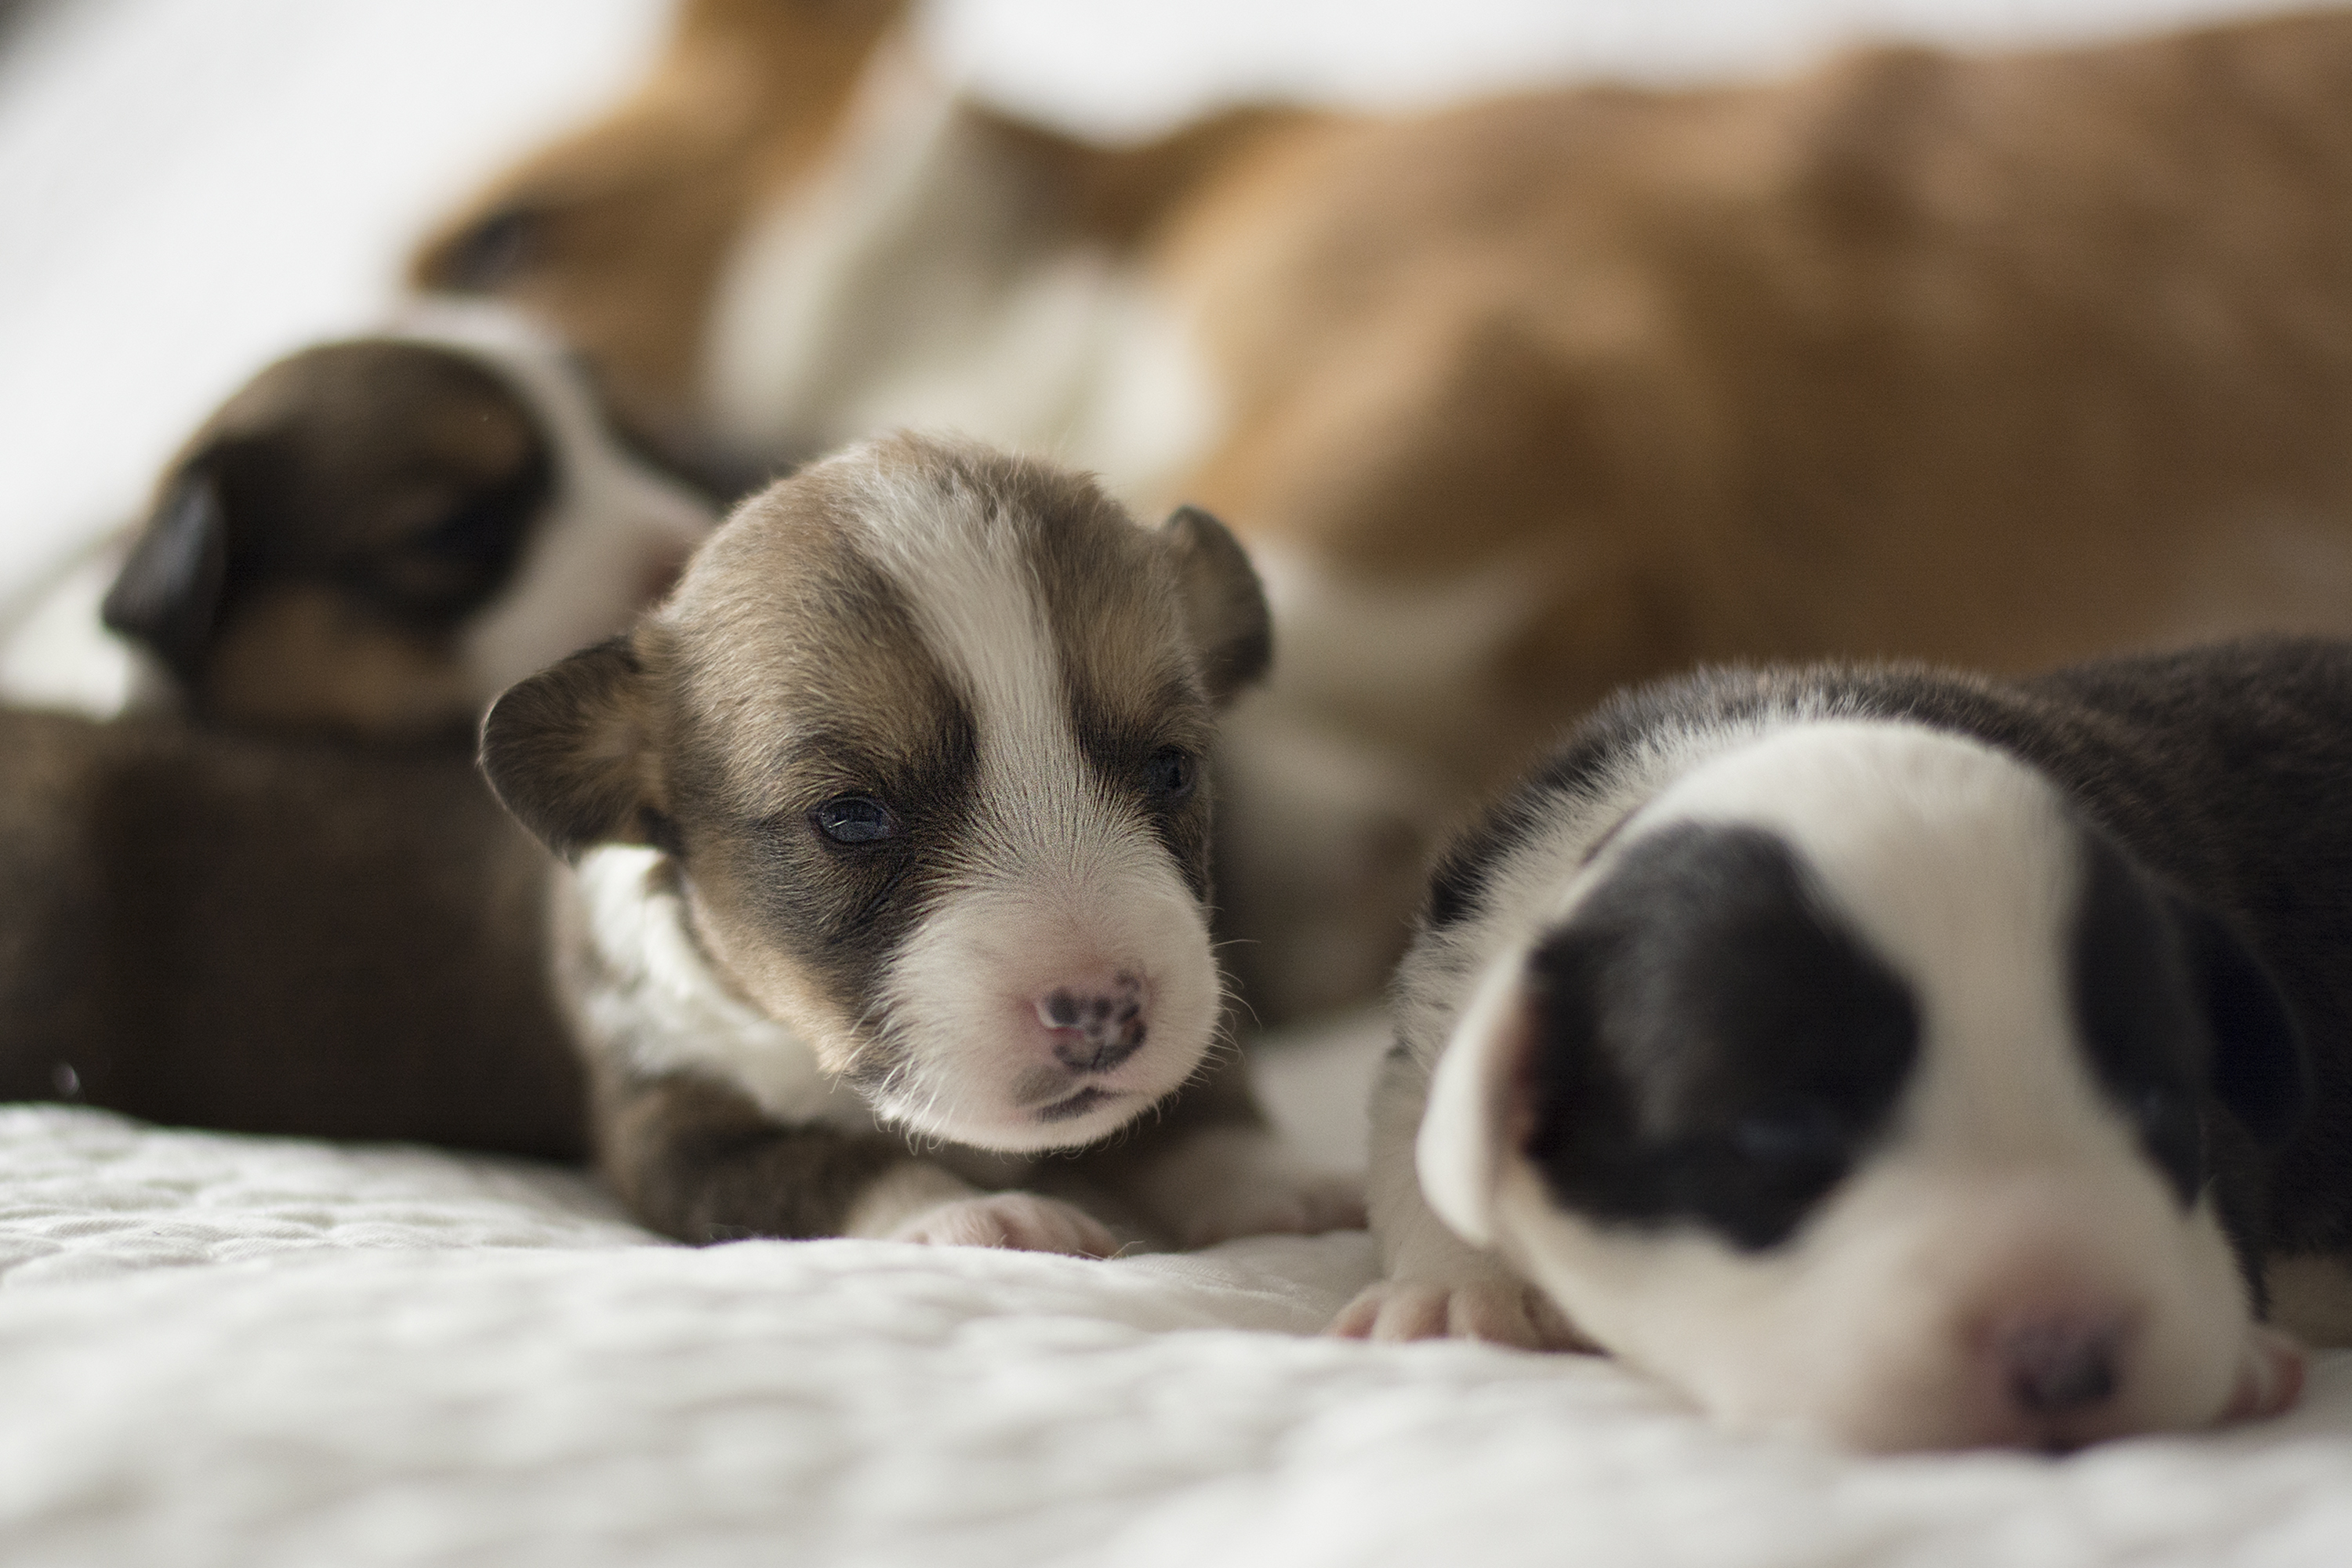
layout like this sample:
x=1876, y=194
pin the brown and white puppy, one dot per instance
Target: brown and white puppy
x=1518, y=402
x=1904, y=1058
x=373, y=537
x=269, y=934
x=890, y=836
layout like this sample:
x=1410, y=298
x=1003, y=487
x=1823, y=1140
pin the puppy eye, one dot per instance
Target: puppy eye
x=1806, y=1133
x=494, y=251
x=1171, y=772
x=855, y=819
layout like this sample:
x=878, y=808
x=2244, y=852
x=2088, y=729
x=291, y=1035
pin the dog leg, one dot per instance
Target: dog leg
x=1438, y=1286
x=702, y=1162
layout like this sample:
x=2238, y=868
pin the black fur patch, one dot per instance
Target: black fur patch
x=1712, y=1045
x=2138, y=1015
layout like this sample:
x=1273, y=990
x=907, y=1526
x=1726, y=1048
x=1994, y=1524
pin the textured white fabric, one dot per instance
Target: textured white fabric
x=254, y=1352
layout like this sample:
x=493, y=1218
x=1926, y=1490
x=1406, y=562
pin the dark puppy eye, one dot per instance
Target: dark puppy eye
x=493, y=252
x=1170, y=774
x=855, y=819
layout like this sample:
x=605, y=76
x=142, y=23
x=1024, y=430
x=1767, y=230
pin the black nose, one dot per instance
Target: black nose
x=2054, y=1368
x=1095, y=1031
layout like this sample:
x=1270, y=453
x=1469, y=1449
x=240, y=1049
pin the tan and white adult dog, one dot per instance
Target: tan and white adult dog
x=1995, y=361
x=891, y=834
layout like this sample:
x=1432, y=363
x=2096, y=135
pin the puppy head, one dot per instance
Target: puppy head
x=1858, y=1087
x=923, y=730
x=377, y=536
x=617, y=235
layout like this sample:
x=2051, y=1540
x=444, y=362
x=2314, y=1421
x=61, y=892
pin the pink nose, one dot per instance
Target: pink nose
x=1097, y=1024
x=2059, y=1364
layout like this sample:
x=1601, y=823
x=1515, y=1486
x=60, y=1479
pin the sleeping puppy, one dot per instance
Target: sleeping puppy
x=889, y=834
x=1905, y=1058
x=373, y=537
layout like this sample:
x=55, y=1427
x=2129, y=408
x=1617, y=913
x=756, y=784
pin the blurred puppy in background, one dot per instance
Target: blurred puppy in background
x=372, y=538
x=1994, y=360
x=274, y=896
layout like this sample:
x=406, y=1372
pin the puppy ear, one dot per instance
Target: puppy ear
x=2261, y=1069
x=566, y=751
x=168, y=594
x=1224, y=607
x=1478, y=1112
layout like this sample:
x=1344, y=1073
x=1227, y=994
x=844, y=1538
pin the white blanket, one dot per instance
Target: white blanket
x=248, y=1352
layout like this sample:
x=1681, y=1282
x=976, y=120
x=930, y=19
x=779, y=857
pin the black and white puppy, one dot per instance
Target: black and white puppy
x=374, y=536
x=1905, y=1059
x=890, y=830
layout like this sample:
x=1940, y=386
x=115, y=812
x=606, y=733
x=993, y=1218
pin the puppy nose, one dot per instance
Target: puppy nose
x=1097, y=1024
x=2056, y=1366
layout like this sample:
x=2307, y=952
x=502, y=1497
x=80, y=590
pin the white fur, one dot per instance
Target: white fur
x=1055, y=883
x=2009, y=1179
x=904, y=284
x=665, y=1010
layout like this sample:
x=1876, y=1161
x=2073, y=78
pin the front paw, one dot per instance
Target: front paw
x=1022, y=1222
x=1491, y=1307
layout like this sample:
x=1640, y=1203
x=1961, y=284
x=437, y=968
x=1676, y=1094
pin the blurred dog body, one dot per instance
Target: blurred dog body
x=275, y=934
x=373, y=537
x=1995, y=361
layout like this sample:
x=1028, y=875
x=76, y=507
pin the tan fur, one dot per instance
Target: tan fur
x=1997, y=360
x=622, y=250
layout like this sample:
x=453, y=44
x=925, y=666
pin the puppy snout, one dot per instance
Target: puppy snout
x=1095, y=1025
x=2060, y=1364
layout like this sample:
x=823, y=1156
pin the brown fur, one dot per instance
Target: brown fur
x=1997, y=359
x=599, y=234
x=294, y=574
x=215, y=931
x=790, y=667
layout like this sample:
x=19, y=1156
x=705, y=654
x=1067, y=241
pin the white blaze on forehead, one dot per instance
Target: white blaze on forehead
x=1959, y=866
x=971, y=588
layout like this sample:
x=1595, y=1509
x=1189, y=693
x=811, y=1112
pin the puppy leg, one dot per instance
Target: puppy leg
x=701, y=1162
x=1438, y=1286
x=1211, y=1169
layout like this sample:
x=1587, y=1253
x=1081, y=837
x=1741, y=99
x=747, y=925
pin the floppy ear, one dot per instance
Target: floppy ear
x=1480, y=1112
x=168, y=593
x=2260, y=1068
x=1225, y=608
x=566, y=751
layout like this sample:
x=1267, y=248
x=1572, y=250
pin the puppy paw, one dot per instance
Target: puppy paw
x=1022, y=1222
x=2270, y=1377
x=1494, y=1308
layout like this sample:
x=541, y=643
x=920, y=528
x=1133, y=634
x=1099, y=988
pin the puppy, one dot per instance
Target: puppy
x=372, y=538
x=889, y=831
x=1905, y=1058
x=1518, y=402
x=217, y=929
